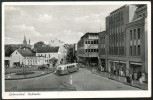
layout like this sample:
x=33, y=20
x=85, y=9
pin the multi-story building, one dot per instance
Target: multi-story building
x=88, y=49
x=125, y=41
x=103, y=49
x=136, y=42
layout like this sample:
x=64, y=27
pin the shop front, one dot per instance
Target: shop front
x=117, y=67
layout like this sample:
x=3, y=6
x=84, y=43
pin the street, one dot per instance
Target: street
x=83, y=80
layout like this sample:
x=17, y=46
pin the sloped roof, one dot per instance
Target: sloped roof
x=25, y=52
x=47, y=49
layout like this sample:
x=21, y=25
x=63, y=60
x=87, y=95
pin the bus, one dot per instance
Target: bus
x=67, y=68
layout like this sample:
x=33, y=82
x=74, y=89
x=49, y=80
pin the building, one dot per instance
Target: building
x=57, y=43
x=49, y=52
x=87, y=49
x=17, y=57
x=123, y=46
x=136, y=42
x=103, y=49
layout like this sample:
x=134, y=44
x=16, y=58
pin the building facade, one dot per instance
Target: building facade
x=87, y=49
x=136, y=43
x=49, y=52
x=103, y=49
x=125, y=38
x=33, y=61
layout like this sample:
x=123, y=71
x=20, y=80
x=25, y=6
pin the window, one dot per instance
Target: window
x=94, y=50
x=135, y=50
x=134, y=33
x=131, y=34
x=95, y=42
x=97, y=50
x=88, y=42
x=138, y=33
x=16, y=53
x=138, y=49
x=49, y=55
x=91, y=42
x=86, y=50
x=130, y=50
x=91, y=50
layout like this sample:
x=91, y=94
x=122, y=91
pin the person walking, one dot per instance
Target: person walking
x=140, y=78
x=132, y=78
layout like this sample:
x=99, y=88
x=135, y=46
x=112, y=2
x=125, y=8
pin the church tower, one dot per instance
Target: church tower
x=24, y=41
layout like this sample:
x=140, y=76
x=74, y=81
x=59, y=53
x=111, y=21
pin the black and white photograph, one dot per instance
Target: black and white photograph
x=76, y=49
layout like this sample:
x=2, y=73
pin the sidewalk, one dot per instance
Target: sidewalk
x=122, y=79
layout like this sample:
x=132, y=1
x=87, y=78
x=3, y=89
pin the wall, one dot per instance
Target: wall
x=15, y=57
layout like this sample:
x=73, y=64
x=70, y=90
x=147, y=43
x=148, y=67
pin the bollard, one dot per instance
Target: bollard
x=119, y=78
x=125, y=80
x=71, y=80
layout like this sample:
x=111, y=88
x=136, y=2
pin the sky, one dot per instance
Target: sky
x=45, y=22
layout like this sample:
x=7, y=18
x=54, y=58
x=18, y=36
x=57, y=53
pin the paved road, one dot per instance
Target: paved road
x=83, y=80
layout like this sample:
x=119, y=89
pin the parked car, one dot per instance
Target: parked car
x=43, y=67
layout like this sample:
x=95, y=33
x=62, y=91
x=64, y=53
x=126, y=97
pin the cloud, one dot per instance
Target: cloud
x=44, y=18
x=44, y=22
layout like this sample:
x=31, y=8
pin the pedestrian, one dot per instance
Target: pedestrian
x=140, y=78
x=132, y=78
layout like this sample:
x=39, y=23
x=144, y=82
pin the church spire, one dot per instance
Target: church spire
x=24, y=41
x=24, y=38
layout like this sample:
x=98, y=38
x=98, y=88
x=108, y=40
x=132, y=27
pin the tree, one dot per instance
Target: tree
x=39, y=44
x=53, y=61
x=70, y=54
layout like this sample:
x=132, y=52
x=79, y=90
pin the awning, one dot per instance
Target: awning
x=122, y=62
x=135, y=63
x=116, y=61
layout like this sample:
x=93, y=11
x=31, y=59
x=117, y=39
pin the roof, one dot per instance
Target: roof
x=86, y=34
x=47, y=49
x=25, y=52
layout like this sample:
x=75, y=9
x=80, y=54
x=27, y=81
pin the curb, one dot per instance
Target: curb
x=120, y=81
x=29, y=77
